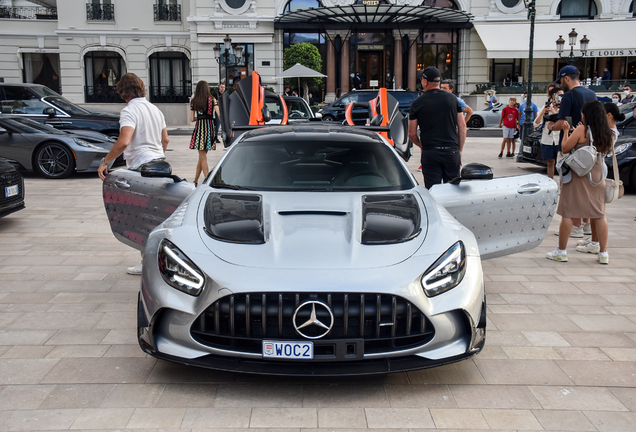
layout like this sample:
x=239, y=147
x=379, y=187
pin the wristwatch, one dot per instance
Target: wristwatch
x=103, y=161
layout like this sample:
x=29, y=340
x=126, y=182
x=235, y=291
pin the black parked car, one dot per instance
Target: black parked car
x=627, y=128
x=335, y=111
x=11, y=189
x=625, y=149
x=42, y=104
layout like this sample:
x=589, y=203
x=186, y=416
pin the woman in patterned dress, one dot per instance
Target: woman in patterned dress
x=202, y=109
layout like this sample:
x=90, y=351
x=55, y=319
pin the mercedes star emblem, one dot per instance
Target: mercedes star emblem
x=313, y=327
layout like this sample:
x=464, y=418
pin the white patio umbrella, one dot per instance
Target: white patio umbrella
x=299, y=71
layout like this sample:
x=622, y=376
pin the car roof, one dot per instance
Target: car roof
x=313, y=132
x=21, y=85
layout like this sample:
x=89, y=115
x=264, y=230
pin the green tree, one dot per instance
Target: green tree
x=307, y=55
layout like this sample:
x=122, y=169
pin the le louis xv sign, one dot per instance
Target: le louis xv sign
x=610, y=53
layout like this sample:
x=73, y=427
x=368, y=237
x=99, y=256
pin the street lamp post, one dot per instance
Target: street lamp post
x=238, y=55
x=527, y=122
x=572, y=40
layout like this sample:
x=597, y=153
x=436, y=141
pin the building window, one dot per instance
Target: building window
x=170, y=80
x=319, y=41
x=631, y=9
x=296, y=5
x=100, y=10
x=577, y=9
x=439, y=49
x=441, y=3
x=167, y=10
x=42, y=69
x=502, y=69
x=103, y=70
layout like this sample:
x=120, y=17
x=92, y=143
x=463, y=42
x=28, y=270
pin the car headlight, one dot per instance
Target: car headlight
x=81, y=142
x=178, y=271
x=447, y=272
x=621, y=148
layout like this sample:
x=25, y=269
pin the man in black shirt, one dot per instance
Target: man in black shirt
x=440, y=119
x=573, y=100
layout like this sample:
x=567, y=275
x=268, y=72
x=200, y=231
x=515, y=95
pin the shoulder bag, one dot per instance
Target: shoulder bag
x=614, y=188
x=582, y=160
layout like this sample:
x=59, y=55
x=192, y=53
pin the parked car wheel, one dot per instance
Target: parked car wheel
x=476, y=122
x=328, y=118
x=54, y=161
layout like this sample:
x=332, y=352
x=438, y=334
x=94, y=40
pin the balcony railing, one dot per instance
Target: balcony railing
x=100, y=12
x=27, y=12
x=538, y=87
x=164, y=12
x=167, y=94
x=102, y=94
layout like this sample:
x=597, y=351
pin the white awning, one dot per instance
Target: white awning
x=615, y=38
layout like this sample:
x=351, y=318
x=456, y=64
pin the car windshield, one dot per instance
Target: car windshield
x=26, y=125
x=66, y=105
x=311, y=165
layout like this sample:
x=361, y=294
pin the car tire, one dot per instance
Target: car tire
x=328, y=118
x=54, y=161
x=476, y=122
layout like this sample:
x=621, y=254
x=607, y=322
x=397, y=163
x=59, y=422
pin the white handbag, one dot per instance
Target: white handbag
x=614, y=189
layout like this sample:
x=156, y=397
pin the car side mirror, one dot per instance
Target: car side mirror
x=474, y=171
x=2, y=130
x=318, y=115
x=160, y=169
x=267, y=116
x=49, y=111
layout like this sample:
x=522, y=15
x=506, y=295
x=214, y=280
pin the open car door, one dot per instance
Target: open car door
x=384, y=111
x=244, y=109
x=137, y=203
x=507, y=215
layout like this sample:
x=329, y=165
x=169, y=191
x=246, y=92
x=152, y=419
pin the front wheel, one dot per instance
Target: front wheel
x=54, y=161
x=475, y=122
x=328, y=118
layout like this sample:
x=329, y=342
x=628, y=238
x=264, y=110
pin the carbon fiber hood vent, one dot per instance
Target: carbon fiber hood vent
x=236, y=218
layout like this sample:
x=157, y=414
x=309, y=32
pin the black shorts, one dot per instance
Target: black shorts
x=550, y=151
x=440, y=165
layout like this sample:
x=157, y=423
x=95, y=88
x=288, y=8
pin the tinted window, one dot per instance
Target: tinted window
x=66, y=105
x=404, y=98
x=20, y=100
x=26, y=125
x=305, y=165
x=353, y=97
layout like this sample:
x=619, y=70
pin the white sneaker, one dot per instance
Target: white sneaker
x=584, y=241
x=136, y=270
x=589, y=247
x=558, y=255
x=577, y=232
x=587, y=228
x=603, y=258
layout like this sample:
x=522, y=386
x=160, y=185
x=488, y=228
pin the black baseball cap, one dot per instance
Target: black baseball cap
x=430, y=74
x=566, y=70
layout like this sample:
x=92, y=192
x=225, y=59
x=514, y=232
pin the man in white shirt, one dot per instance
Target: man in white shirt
x=143, y=136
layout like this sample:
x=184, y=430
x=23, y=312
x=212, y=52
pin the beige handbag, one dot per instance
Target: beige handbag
x=614, y=188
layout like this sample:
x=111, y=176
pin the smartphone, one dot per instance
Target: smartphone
x=569, y=120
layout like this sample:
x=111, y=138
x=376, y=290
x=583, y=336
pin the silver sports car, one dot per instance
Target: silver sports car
x=50, y=152
x=311, y=250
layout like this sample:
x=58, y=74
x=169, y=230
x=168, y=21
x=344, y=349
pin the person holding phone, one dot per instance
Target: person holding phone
x=550, y=146
x=571, y=104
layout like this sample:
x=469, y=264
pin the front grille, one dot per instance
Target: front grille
x=10, y=179
x=241, y=322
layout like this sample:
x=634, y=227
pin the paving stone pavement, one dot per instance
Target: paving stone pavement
x=560, y=352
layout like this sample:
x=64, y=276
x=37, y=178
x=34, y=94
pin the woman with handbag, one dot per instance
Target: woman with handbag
x=591, y=244
x=584, y=196
x=202, y=109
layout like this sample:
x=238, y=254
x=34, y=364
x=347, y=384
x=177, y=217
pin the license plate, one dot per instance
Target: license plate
x=527, y=149
x=10, y=191
x=288, y=350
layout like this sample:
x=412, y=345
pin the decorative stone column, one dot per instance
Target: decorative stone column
x=601, y=64
x=331, y=68
x=397, y=60
x=344, y=62
x=616, y=68
x=412, y=61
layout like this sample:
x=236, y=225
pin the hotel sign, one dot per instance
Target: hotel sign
x=367, y=47
x=611, y=53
